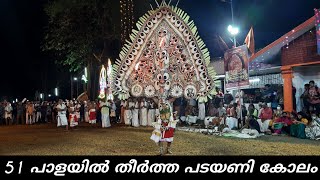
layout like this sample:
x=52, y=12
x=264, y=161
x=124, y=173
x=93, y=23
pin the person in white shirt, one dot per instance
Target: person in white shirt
x=62, y=115
x=73, y=119
x=8, y=114
x=222, y=110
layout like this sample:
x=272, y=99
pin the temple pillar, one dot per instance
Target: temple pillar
x=287, y=75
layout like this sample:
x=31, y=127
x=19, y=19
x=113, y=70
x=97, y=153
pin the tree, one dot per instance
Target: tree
x=81, y=33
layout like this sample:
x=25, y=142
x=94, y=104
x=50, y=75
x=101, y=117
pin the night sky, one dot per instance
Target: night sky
x=24, y=69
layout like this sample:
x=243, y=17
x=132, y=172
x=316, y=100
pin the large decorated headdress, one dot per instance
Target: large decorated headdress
x=165, y=57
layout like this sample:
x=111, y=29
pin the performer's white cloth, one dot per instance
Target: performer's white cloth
x=86, y=113
x=105, y=118
x=232, y=122
x=127, y=116
x=202, y=111
x=264, y=126
x=151, y=116
x=135, y=115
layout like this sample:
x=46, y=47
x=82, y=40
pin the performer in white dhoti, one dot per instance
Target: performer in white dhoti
x=151, y=113
x=135, y=114
x=143, y=112
x=86, y=112
x=127, y=112
x=122, y=112
x=62, y=115
x=202, y=111
x=105, y=111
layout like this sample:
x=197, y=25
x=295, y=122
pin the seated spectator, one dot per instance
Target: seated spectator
x=282, y=124
x=298, y=127
x=265, y=118
x=212, y=111
x=222, y=110
x=231, y=120
x=312, y=129
x=253, y=123
x=252, y=111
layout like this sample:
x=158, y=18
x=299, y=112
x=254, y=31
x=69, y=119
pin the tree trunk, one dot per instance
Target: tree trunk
x=89, y=84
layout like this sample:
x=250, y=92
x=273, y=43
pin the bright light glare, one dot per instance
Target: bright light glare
x=233, y=30
x=56, y=91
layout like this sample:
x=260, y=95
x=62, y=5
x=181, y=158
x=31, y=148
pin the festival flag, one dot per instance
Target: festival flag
x=249, y=41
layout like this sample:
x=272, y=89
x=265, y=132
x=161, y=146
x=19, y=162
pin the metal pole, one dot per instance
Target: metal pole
x=77, y=89
x=232, y=12
x=234, y=37
x=240, y=103
x=71, y=87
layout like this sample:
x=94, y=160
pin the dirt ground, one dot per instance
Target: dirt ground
x=121, y=140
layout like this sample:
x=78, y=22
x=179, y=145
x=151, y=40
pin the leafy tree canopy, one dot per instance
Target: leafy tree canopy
x=80, y=31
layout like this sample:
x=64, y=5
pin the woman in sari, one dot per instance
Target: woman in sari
x=282, y=124
x=298, y=127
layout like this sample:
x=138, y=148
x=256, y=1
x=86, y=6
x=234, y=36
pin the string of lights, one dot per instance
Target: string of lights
x=127, y=18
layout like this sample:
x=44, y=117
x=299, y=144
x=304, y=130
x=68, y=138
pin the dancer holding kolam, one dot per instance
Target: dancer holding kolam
x=92, y=114
x=73, y=119
x=164, y=127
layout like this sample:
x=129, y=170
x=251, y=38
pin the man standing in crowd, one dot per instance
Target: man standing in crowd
x=20, y=119
x=314, y=97
x=62, y=115
x=228, y=98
